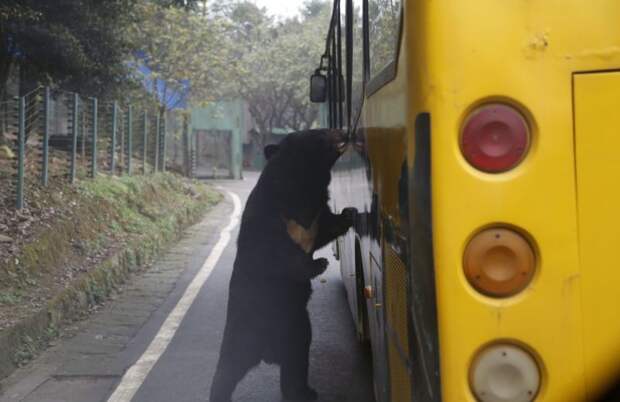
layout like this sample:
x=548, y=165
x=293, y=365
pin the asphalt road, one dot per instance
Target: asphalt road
x=89, y=365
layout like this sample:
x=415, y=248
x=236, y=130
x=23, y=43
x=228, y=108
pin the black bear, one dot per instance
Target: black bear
x=286, y=218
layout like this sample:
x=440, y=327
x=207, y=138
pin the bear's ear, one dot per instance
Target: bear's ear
x=270, y=150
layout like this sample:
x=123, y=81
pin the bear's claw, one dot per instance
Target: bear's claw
x=321, y=265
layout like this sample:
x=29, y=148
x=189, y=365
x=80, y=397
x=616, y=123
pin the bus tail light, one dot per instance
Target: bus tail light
x=504, y=373
x=495, y=138
x=499, y=262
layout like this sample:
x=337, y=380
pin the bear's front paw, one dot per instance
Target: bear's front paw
x=320, y=265
x=349, y=215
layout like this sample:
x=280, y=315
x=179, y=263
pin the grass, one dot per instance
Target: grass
x=11, y=297
x=96, y=215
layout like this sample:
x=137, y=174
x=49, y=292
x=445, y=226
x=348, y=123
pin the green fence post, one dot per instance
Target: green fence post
x=187, y=158
x=82, y=132
x=21, y=152
x=74, y=140
x=46, y=136
x=191, y=149
x=93, y=149
x=157, y=130
x=162, y=145
x=194, y=139
x=145, y=143
x=192, y=146
x=128, y=139
x=113, y=142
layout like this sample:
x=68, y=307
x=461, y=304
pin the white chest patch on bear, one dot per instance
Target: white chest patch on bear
x=303, y=237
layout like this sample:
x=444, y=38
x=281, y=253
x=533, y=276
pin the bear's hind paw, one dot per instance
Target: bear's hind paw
x=301, y=395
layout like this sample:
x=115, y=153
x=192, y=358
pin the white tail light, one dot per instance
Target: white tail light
x=504, y=373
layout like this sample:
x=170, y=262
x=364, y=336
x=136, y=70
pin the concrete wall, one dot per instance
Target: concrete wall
x=232, y=116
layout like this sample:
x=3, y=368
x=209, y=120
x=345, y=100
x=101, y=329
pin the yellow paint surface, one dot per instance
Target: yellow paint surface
x=460, y=55
x=597, y=132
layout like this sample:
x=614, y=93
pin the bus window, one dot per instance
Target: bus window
x=357, y=79
x=384, y=27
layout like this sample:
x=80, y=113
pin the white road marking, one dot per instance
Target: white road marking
x=137, y=373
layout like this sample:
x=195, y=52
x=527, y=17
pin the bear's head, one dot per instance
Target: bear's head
x=304, y=159
x=299, y=171
x=311, y=150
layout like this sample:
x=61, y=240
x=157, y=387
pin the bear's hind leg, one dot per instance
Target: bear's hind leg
x=294, y=382
x=295, y=362
x=236, y=359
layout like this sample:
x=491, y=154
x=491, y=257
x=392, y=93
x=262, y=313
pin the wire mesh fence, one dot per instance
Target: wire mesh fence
x=55, y=135
x=180, y=147
x=9, y=111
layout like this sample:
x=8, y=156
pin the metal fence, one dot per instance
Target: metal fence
x=180, y=144
x=58, y=135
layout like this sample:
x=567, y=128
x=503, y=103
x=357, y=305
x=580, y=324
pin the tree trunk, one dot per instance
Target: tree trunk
x=5, y=69
x=6, y=62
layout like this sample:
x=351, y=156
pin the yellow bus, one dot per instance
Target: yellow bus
x=485, y=166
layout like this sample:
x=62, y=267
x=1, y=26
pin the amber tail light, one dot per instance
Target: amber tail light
x=499, y=262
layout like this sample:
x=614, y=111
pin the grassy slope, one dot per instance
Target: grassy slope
x=90, y=222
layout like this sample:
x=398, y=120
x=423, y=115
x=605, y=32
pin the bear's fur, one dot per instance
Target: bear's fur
x=285, y=220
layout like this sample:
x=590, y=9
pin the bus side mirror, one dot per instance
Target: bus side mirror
x=318, y=87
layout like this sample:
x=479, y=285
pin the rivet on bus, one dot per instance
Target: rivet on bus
x=495, y=138
x=499, y=262
x=504, y=373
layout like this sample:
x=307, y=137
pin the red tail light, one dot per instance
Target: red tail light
x=495, y=138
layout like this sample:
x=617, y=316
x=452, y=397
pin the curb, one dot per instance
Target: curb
x=30, y=336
